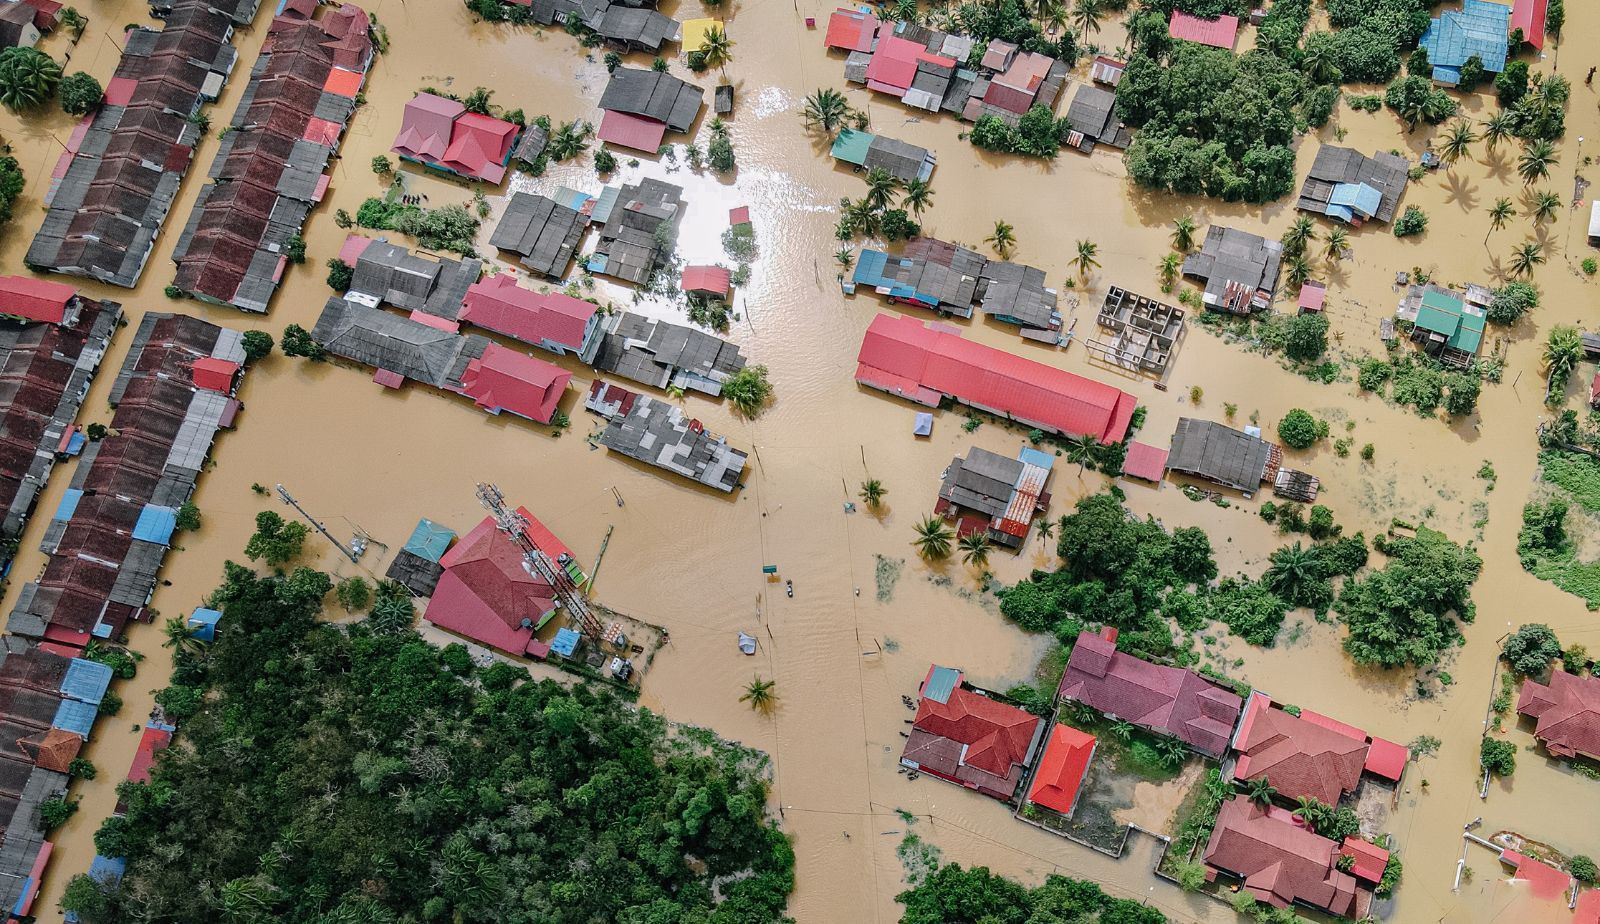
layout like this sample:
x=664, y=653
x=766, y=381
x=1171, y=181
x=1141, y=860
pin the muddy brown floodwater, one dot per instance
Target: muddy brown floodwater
x=361, y=456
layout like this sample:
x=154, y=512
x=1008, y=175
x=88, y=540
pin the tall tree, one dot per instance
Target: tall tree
x=1183, y=230
x=881, y=187
x=1337, y=245
x=872, y=492
x=717, y=49
x=1003, y=240
x=1086, y=16
x=933, y=538
x=1499, y=214
x=1499, y=127
x=1085, y=260
x=28, y=77
x=916, y=196
x=975, y=549
x=1525, y=257
x=1535, y=161
x=1302, y=232
x=826, y=109
x=1545, y=206
x=1458, y=141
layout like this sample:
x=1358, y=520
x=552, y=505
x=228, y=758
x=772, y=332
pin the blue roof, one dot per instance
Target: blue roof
x=156, y=524
x=869, y=269
x=204, y=617
x=940, y=683
x=86, y=681
x=565, y=642
x=74, y=716
x=68, y=505
x=1030, y=456
x=1479, y=28
x=108, y=869
x=571, y=198
x=429, y=540
x=75, y=443
x=1358, y=197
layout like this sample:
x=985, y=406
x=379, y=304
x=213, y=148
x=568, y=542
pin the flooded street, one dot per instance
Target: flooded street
x=360, y=456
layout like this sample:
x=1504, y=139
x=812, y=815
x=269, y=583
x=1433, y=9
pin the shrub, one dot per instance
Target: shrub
x=188, y=517
x=82, y=768
x=297, y=341
x=1590, y=267
x=1583, y=869
x=748, y=390
x=353, y=593
x=1498, y=757
x=1298, y=429
x=80, y=94
x=1511, y=302
x=257, y=344
x=382, y=165
x=340, y=275
x=173, y=292
x=54, y=812
x=110, y=703
x=604, y=161
x=1531, y=648
x=294, y=249
x=1414, y=221
x=1367, y=452
x=1306, y=337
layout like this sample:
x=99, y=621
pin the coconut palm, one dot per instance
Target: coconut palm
x=1086, y=15
x=1003, y=240
x=759, y=694
x=1318, y=63
x=975, y=549
x=1458, y=141
x=1337, y=245
x=881, y=187
x=1168, y=270
x=1301, y=233
x=1081, y=449
x=826, y=109
x=1183, y=234
x=1085, y=259
x=845, y=257
x=717, y=49
x=1525, y=257
x=1054, y=16
x=872, y=492
x=180, y=637
x=1535, y=161
x=1260, y=791
x=1545, y=205
x=862, y=216
x=1296, y=573
x=1499, y=213
x=1046, y=528
x=933, y=538
x=1297, y=270
x=1563, y=351
x=1499, y=127
x=916, y=196
x=28, y=78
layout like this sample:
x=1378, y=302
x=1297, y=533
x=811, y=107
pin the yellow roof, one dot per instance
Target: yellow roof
x=694, y=32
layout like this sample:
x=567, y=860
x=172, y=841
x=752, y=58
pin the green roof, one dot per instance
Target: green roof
x=851, y=146
x=1447, y=316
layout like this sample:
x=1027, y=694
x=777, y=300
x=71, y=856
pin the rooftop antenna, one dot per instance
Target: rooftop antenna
x=354, y=554
x=537, y=563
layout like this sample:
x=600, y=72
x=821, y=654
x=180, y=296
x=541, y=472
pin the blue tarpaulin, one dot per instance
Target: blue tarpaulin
x=74, y=716
x=565, y=643
x=68, y=505
x=108, y=869
x=1349, y=199
x=941, y=683
x=156, y=524
x=86, y=681
x=203, y=624
x=429, y=540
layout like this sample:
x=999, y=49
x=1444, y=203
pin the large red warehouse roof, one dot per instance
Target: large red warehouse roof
x=1221, y=32
x=903, y=356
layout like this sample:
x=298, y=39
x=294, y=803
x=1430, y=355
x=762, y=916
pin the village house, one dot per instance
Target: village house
x=269, y=171
x=505, y=380
x=1352, y=187
x=927, y=363
x=1282, y=863
x=1221, y=32
x=1017, y=294
x=1172, y=701
x=17, y=28
x=416, y=565
x=963, y=735
x=708, y=282
x=996, y=496
x=661, y=354
x=1446, y=324
x=1566, y=712
x=114, y=183
x=441, y=135
x=905, y=162
x=1222, y=455
x=1058, y=780
x=660, y=434
x=929, y=273
x=641, y=106
x=400, y=348
x=1014, y=82
x=1239, y=270
x=543, y=232
x=1093, y=117
x=552, y=321
x=388, y=274
x=1479, y=29
x=1309, y=755
x=637, y=224
x=1528, y=17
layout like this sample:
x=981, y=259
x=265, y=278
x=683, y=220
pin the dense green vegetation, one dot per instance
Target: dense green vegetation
x=336, y=775
x=951, y=894
x=1298, y=429
x=1368, y=37
x=1544, y=546
x=1498, y=757
x=1531, y=649
x=1406, y=612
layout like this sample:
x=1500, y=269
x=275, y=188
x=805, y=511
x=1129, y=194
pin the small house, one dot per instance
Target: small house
x=999, y=497
x=707, y=281
x=442, y=135
x=203, y=624
x=1107, y=70
x=1093, y=117
x=1566, y=712
x=658, y=433
x=505, y=380
x=1222, y=455
x=1479, y=29
x=1238, y=269
x=543, y=232
x=1058, y=780
x=1221, y=32
x=965, y=736
x=553, y=321
x=1352, y=187
x=661, y=354
x=641, y=106
x=1282, y=863
x=1447, y=324
x=1312, y=296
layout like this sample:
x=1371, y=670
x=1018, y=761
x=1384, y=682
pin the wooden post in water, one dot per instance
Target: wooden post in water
x=595, y=571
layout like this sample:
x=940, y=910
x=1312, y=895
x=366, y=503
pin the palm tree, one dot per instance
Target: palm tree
x=1168, y=268
x=1535, y=161
x=1337, y=245
x=918, y=195
x=863, y=217
x=1563, y=351
x=1298, y=270
x=1260, y=791
x=1046, y=528
x=717, y=49
x=1081, y=449
x=1545, y=205
x=1295, y=573
x=845, y=257
x=180, y=637
x=1054, y=16
x=1085, y=258
x=1122, y=730
x=881, y=187
x=1086, y=16
x=1003, y=240
x=933, y=538
x=28, y=78
x=1318, y=63
x=1301, y=233
x=826, y=109
x=872, y=492
x=1525, y=257
x=1499, y=127
x=1183, y=234
x=1458, y=141
x=1499, y=213
x=975, y=549
x=758, y=693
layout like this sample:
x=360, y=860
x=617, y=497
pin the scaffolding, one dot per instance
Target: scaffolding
x=538, y=563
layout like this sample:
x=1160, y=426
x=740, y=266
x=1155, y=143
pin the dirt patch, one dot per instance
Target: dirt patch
x=1155, y=804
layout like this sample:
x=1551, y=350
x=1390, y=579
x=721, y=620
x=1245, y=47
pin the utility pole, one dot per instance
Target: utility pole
x=537, y=563
x=288, y=499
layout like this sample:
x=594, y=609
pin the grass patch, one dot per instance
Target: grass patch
x=1129, y=750
x=1574, y=473
x=886, y=574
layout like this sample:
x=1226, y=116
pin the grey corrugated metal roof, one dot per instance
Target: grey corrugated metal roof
x=545, y=232
x=656, y=352
x=658, y=433
x=904, y=161
x=1382, y=171
x=374, y=337
x=1093, y=112
x=1209, y=450
x=533, y=143
x=654, y=95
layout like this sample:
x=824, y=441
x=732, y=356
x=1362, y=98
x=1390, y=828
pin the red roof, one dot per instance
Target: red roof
x=972, y=740
x=739, y=216
x=434, y=321
x=119, y=90
x=1568, y=713
x=505, y=380
x=47, y=14
x=1171, y=700
x=712, y=280
x=353, y=247
x=1312, y=295
x=636, y=132
x=1370, y=858
x=57, y=749
x=1061, y=769
x=497, y=303
x=153, y=741
x=214, y=374
x=1145, y=462
x=388, y=378
x=35, y=299
x=850, y=30
x=1546, y=881
x=1218, y=33
x=905, y=357
x=894, y=64
x=426, y=126
x=1281, y=862
x=344, y=83
x=480, y=146
x=1588, y=910
x=323, y=132
x=485, y=594
x=1300, y=758
x=1529, y=16
x=1386, y=759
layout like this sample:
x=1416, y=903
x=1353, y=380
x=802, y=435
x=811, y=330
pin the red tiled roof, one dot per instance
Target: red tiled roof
x=434, y=321
x=903, y=356
x=1170, y=700
x=57, y=750
x=894, y=64
x=214, y=374
x=635, y=132
x=505, y=380
x=850, y=30
x=47, y=13
x=710, y=279
x=1282, y=863
x=479, y=146
x=1370, y=858
x=426, y=125
x=485, y=594
x=1568, y=713
x=35, y=299
x=1066, y=758
x=1301, y=759
x=497, y=303
x=1221, y=32
x=1144, y=461
x=344, y=83
x=995, y=734
x=1529, y=16
x=152, y=742
x=1386, y=759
